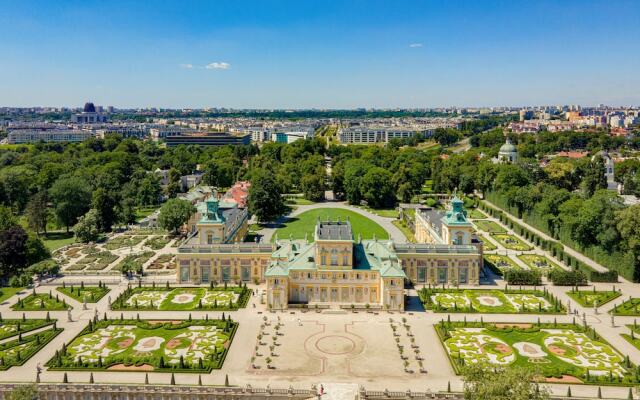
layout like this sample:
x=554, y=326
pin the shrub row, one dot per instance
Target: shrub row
x=522, y=277
x=561, y=277
x=556, y=248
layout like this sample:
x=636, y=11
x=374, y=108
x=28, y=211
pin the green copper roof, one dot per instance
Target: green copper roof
x=211, y=214
x=456, y=215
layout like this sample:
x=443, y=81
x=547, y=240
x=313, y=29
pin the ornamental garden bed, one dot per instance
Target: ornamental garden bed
x=165, y=261
x=538, y=262
x=490, y=301
x=510, y=242
x=20, y=346
x=158, y=242
x=135, y=261
x=489, y=226
x=486, y=243
x=630, y=307
x=556, y=350
x=633, y=336
x=160, y=346
x=499, y=263
x=41, y=302
x=593, y=298
x=124, y=241
x=182, y=298
x=81, y=293
x=94, y=262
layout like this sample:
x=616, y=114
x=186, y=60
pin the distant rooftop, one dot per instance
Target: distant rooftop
x=334, y=230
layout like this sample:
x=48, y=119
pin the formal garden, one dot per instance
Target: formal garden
x=487, y=245
x=134, y=262
x=183, y=298
x=510, y=242
x=137, y=345
x=538, y=262
x=630, y=307
x=82, y=293
x=157, y=242
x=499, y=263
x=20, y=342
x=510, y=301
x=124, y=241
x=593, y=298
x=41, y=302
x=563, y=353
x=163, y=262
x=93, y=261
x=489, y=226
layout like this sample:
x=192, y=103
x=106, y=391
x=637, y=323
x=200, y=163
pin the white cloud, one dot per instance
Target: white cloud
x=415, y=45
x=218, y=65
x=187, y=66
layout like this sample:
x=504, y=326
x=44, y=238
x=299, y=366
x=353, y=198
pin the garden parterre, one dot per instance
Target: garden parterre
x=556, y=350
x=185, y=346
x=41, y=302
x=510, y=242
x=490, y=301
x=593, y=298
x=81, y=293
x=182, y=299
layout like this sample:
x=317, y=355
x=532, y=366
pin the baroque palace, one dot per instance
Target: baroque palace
x=336, y=269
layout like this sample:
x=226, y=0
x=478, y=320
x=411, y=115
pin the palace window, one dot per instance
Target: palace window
x=334, y=257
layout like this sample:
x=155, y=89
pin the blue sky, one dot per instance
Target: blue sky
x=325, y=54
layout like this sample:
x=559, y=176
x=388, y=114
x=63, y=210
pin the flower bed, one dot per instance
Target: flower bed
x=161, y=346
x=589, y=298
x=182, y=299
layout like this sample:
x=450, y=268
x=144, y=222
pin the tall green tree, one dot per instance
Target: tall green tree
x=13, y=250
x=86, y=230
x=71, y=197
x=37, y=212
x=174, y=214
x=484, y=382
x=377, y=188
x=265, y=199
x=104, y=204
x=313, y=186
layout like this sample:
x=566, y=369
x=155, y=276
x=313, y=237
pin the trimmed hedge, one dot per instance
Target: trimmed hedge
x=522, y=277
x=567, y=278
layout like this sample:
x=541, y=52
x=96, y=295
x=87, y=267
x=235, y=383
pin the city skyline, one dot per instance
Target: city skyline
x=286, y=55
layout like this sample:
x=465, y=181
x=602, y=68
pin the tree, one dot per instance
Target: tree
x=13, y=250
x=37, y=212
x=125, y=211
x=313, y=186
x=377, y=188
x=7, y=219
x=593, y=176
x=483, y=382
x=175, y=186
x=86, y=230
x=149, y=191
x=175, y=213
x=210, y=176
x=104, y=204
x=71, y=198
x=265, y=200
x=354, y=171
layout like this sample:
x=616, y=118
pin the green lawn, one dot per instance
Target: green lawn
x=162, y=346
x=123, y=241
x=55, y=240
x=587, y=298
x=382, y=212
x=8, y=292
x=490, y=301
x=298, y=201
x=142, y=212
x=554, y=349
x=182, y=299
x=92, y=294
x=305, y=223
x=510, y=242
x=630, y=307
x=476, y=214
x=158, y=242
x=633, y=336
x=489, y=226
x=41, y=302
